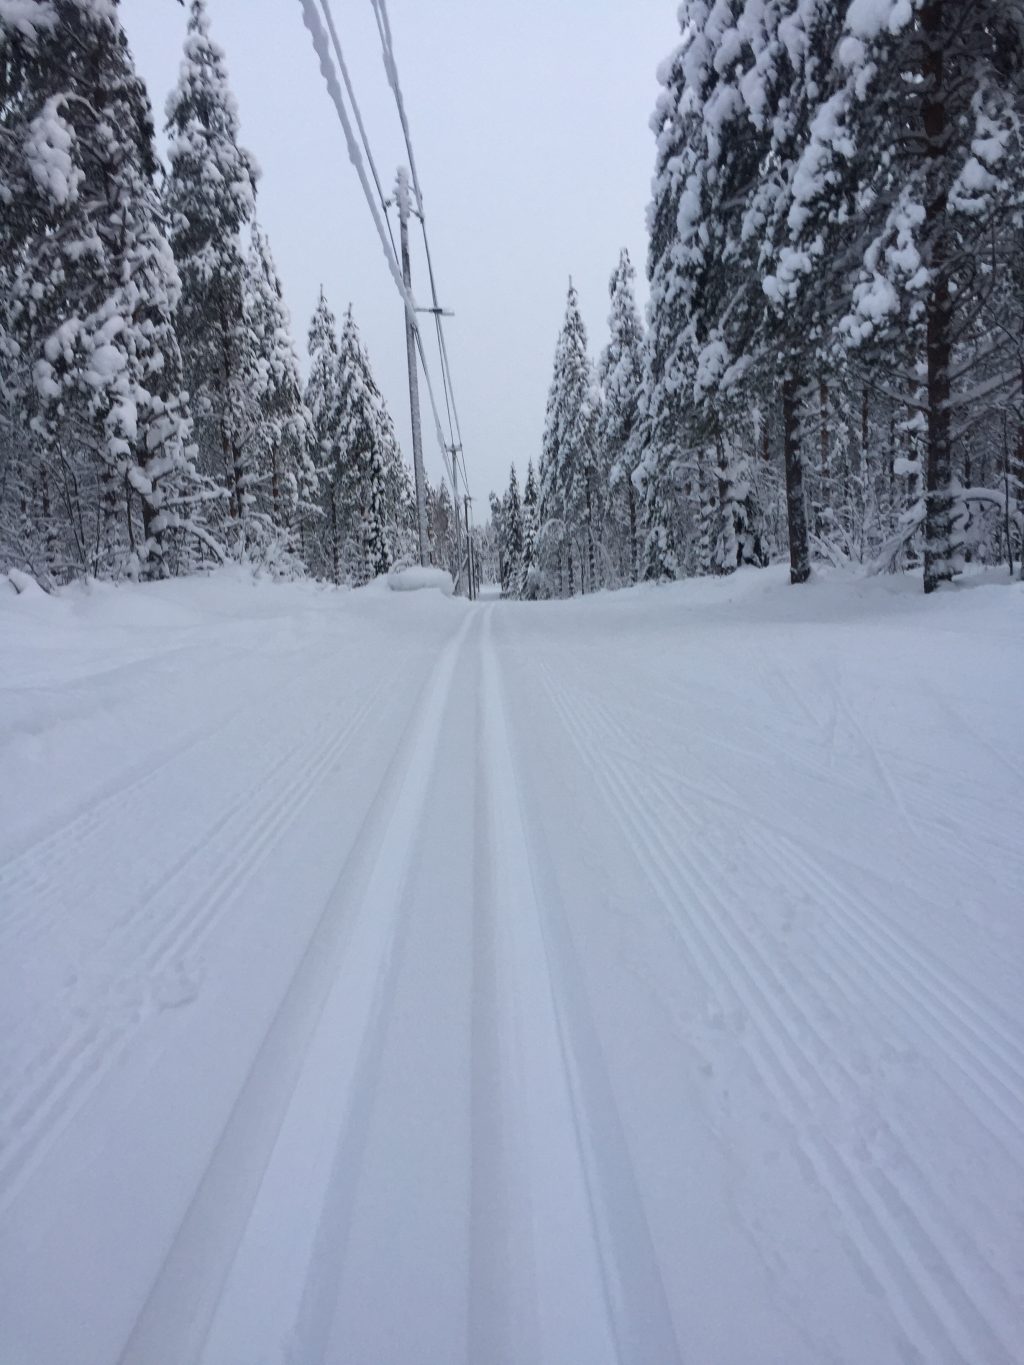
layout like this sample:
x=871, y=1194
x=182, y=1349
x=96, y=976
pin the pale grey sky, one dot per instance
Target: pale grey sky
x=530, y=127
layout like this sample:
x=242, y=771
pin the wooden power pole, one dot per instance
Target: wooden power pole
x=402, y=196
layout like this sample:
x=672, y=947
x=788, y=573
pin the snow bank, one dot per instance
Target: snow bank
x=23, y=583
x=415, y=578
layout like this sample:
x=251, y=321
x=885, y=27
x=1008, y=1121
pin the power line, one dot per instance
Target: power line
x=313, y=23
x=380, y=11
x=343, y=66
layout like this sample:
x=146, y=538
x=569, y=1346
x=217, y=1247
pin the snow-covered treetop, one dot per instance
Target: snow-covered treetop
x=213, y=178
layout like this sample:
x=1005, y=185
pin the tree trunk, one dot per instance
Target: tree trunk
x=49, y=529
x=633, y=567
x=796, y=506
x=106, y=557
x=590, y=539
x=824, y=461
x=335, y=564
x=275, y=485
x=940, y=551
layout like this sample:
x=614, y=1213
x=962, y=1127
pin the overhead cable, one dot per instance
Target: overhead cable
x=315, y=25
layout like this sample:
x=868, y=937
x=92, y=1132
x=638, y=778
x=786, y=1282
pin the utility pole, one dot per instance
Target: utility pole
x=469, y=553
x=454, y=453
x=404, y=208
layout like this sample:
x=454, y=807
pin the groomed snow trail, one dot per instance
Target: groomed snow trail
x=634, y=981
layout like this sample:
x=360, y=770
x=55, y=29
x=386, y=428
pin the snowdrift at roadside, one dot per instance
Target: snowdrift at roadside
x=417, y=577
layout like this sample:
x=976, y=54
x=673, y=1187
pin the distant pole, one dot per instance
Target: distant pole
x=402, y=196
x=454, y=452
x=469, y=553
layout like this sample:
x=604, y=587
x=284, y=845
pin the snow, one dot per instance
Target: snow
x=633, y=979
x=48, y=153
x=415, y=577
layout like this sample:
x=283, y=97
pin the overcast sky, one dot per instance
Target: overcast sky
x=529, y=121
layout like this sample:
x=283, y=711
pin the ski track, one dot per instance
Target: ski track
x=240, y=840
x=582, y=1280
x=925, y=1266
x=313, y=1077
x=973, y=1036
x=784, y=740
x=626, y=750
x=17, y=869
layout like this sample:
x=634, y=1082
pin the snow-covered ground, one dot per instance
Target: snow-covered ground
x=389, y=980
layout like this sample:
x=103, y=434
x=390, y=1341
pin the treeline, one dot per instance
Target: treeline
x=833, y=359
x=153, y=414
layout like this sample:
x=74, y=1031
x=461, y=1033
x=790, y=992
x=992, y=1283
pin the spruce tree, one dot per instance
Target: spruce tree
x=367, y=449
x=714, y=134
x=661, y=467
x=283, y=428
x=621, y=376
x=322, y=401
x=210, y=194
x=892, y=223
x=528, y=585
x=569, y=467
x=90, y=290
x=512, y=530
x=441, y=527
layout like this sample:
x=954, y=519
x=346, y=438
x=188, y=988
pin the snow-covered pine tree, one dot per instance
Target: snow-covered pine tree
x=441, y=527
x=662, y=468
x=90, y=291
x=367, y=449
x=210, y=195
x=621, y=376
x=497, y=506
x=707, y=310
x=528, y=584
x=283, y=427
x=512, y=530
x=569, y=467
x=37, y=179
x=400, y=501
x=902, y=169
x=323, y=402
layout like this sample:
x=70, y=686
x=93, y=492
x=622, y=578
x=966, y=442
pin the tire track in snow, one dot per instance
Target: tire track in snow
x=71, y=1072
x=288, y=1157
x=911, y=1257
x=563, y=1263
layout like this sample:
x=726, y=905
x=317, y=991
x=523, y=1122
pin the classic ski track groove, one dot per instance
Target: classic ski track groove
x=318, y=1309
x=933, y=1308
x=36, y=863
x=639, y=1318
x=389, y=859
x=83, y=1059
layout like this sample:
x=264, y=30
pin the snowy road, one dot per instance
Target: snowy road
x=632, y=981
